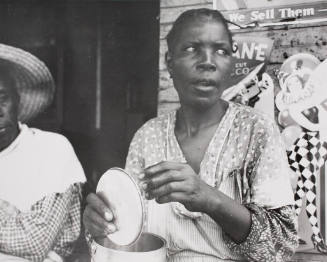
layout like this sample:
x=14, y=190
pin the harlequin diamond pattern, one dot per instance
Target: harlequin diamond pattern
x=306, y=157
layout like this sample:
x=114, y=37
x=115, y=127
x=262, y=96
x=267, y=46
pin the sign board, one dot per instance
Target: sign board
x=250, y=53
x=274, y=14
x=249, y=83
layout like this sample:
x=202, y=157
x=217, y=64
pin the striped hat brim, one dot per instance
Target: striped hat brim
x=33, y=80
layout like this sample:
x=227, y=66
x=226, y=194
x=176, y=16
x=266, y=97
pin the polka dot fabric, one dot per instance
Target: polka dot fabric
x=246, y=160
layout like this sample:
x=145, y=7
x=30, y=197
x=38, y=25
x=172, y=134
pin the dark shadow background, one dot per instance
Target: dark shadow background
x=104, y=58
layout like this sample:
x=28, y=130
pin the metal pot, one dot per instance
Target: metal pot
x=148, y=248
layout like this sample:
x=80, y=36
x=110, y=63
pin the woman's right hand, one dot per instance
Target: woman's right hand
x=97, y=217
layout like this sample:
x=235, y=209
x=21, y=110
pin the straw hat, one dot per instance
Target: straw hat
x=33, y=80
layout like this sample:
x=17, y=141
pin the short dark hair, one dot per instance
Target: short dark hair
x=194, y=14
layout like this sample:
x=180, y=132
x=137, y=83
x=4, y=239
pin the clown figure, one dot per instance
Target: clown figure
x=302, y=105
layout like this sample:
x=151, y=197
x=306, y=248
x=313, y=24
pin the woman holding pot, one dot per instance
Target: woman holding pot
x=215, y=173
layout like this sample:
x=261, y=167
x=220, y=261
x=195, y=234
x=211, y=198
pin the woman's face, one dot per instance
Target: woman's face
x=199, y=62
x=8, y=114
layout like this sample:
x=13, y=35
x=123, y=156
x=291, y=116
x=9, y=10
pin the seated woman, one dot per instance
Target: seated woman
x=40, y=193
x=215, y=173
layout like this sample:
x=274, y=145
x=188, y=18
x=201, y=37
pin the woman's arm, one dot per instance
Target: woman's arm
x=97, y=216
x=269, y=199
x=232, y=217
x=272, y=236
x=52, y=222
x=177, y=182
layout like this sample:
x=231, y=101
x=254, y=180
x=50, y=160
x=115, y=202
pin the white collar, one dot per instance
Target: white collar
x=22, y=133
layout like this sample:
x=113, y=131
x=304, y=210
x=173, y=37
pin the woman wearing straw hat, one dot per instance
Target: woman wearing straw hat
x=40, y=197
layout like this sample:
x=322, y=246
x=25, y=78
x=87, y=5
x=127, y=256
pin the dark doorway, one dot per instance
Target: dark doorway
x=112, y=70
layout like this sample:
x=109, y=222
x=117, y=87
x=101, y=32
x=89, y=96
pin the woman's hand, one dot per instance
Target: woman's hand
x=97, y=217
x=177, y=182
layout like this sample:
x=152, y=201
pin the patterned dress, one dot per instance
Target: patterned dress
x=245, y=160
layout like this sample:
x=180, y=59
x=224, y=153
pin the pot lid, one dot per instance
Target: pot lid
x=121, y=193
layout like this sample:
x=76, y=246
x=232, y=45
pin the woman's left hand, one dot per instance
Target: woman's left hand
x=177, y=182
